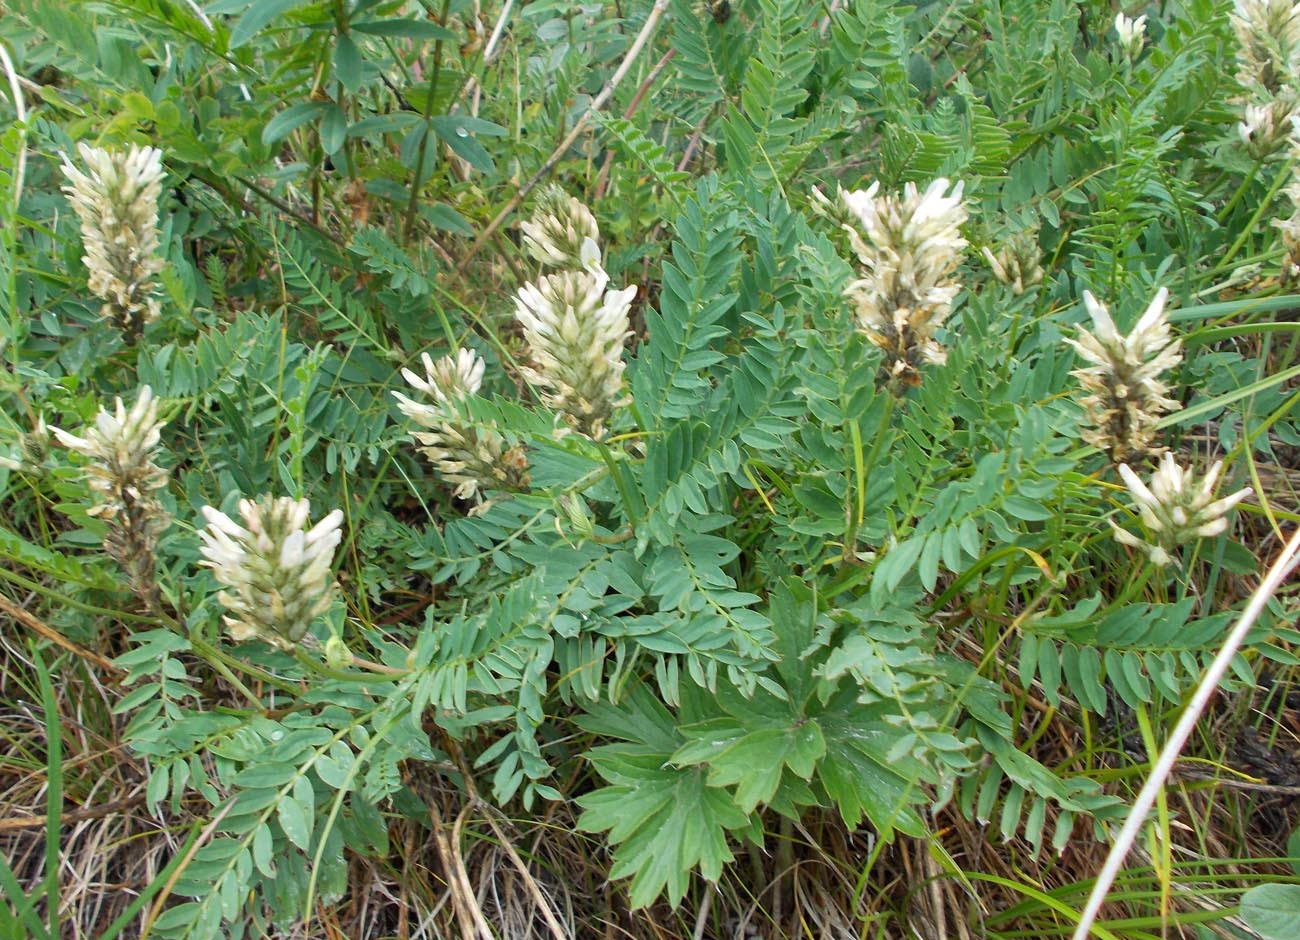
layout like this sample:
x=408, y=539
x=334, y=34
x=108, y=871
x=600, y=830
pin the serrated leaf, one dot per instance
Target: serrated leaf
x=665, y=822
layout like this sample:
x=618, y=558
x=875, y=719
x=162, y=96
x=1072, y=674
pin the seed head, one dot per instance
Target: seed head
x=470, y=455
x=275, y=569
x=1126, y=393
x=1174, y=509
x=575, y=330
x=116, y=201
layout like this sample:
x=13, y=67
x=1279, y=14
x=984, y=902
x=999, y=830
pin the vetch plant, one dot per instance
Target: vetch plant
x=562, y=232
x=1174, y=509
x=909, y=248
x=122, y=474
x=701, y=593
x=116, y=201
x=472, y=457
x=276, y=571
x=576, y=328
x=1126, y=391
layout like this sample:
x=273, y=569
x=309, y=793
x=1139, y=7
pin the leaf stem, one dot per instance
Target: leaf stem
x=429, y=100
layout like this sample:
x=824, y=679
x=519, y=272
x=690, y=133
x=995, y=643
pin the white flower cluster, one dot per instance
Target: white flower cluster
x=275, y=569
x=908, y=248
x=116, y=201
x=574, y=324
x=1174, y=510
x=562, y=232
x=470, y=456
x=1126, y=394
x=123, y=476
x=1268, y=37
x=1130, y=33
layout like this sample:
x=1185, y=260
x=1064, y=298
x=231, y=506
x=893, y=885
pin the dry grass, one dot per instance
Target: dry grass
x=473, y=873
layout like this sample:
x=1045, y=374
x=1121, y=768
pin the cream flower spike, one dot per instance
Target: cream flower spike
x=909, y=248
x=123, y=477
x=1268, y=36
x=563, y=232
x=1126, y=392
x=1130, y=32
x=1018, y=263
x=576, y=329
x=1174, y=509
x=116, y=201
x=451, y=377
x=275, y=569
x=1266, y=128
x=470, y=456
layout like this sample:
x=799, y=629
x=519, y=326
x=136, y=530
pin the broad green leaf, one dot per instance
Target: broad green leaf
x=258, y=15
x=1273, y=911
x=292, y=118
x=295, y=822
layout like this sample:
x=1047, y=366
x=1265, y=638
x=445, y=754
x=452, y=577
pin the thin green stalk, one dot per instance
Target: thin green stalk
x=429, y=101
x=215, y=659
x=72, y=602
x=372, y=677
x=862, y=467
x=1264, y=205
x=1241, y=191
x=633, y=509
x=9, y=232
x=53, y=791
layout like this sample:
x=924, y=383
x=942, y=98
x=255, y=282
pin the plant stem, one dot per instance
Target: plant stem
x=599, y=102
x=624, y=492
x=429, y=100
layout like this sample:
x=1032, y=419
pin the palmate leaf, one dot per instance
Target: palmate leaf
x=798, y=733
x=753, y=756
x=665, y=821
